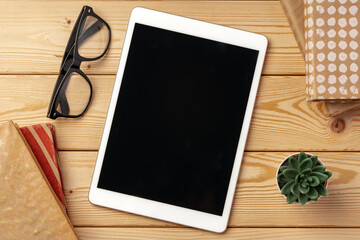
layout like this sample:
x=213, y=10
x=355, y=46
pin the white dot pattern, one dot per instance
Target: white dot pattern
x=310, y=33
x=342, y=10
x=354, y=78
x=342, y=68
x=331, y=45
x=342, y=33
x=353, y=22
x=332, y=90
x=354, y=67
x=320, y=44
x=342, y=22
x=353, y=10
x=342, y=44
x=332, y=56
x=332, y=49
x=320, y=78
x=321, y=89
x=354, y=45
x=353, y=33
x=332, y=67
x=354, y=90
x=320, y=68
x=331, y=22
x=331, y=10
x=311, y=79
x=331, y=33
x=332, y=79
x=354, y=56
x=343, y=79
x=342, y=56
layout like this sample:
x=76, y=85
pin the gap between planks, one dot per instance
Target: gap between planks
x=232, y=233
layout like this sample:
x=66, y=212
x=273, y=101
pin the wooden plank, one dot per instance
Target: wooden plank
x=34, y=34
x=257, y=202
x=232, y=233
x=25, y=99
x=282, y=120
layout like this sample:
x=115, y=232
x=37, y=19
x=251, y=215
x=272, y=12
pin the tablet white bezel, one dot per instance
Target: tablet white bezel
x=160, y=210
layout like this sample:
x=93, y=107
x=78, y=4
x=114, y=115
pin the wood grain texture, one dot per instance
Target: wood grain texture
x=33, y=35
x=33, y=42
x=232, y=233
x=282, y=119
x=257, y=202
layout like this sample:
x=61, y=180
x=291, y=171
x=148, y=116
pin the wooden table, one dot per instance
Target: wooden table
x=33, y=36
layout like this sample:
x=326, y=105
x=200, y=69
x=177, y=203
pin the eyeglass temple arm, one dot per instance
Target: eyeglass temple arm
x=89, y=32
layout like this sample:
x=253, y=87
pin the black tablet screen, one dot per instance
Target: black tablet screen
x=178, y=119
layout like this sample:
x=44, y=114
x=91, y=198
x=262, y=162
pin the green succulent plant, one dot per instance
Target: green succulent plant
x=303, y=178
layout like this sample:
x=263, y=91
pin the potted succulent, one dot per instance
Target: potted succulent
x=302, y=178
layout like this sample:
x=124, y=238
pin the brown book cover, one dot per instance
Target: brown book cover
x=294, y=11
x=29, y=208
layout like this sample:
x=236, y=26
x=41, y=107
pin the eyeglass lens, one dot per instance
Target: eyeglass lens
x=93, y=38
x=77, y=92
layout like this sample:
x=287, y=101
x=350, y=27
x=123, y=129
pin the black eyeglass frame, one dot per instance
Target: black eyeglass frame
x=71, y=63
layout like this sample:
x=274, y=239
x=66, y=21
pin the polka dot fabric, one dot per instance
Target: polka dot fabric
x=332, y=49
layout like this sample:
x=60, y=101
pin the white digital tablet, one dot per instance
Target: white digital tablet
x=178, y=120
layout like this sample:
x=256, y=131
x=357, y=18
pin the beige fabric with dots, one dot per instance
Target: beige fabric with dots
x=28, y=207
x=332, y=49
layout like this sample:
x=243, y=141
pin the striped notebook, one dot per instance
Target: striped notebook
x=41, y=139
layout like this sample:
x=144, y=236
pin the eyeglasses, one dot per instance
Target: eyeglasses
x=89, y=41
